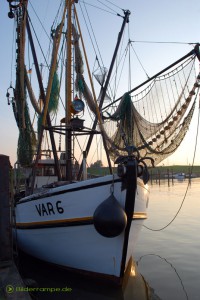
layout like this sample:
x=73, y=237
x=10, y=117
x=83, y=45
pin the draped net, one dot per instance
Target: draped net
x=156, y=118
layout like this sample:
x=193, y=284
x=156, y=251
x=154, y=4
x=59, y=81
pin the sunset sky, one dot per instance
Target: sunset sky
x=172, y=21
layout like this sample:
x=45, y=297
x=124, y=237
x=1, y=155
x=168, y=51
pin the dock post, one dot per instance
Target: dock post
x=5, y=230
x=10, y=278
x=168, y=177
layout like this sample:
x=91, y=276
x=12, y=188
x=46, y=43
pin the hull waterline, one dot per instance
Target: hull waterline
x=57, y=226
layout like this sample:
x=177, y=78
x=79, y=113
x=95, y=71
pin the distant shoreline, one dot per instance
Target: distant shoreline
x=161, y=171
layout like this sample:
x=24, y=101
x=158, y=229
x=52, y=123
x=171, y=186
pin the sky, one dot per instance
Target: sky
x=176, y=21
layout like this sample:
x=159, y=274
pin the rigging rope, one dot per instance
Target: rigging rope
x=138, y=59
x=92, y=33
x=44, y=57
x=40, y=21
x=157, y=42
x=113, y=4
x=98, y=7
x=13, y=43
x=106, y=5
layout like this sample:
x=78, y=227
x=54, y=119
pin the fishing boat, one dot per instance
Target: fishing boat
x=89, y=225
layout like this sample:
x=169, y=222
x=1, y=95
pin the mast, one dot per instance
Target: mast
x=47, y=117
x=104, y=89
x=68, y=93
x=23, y=5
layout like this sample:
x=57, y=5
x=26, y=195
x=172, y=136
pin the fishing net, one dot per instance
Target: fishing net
x=27, y=139
x=26, y=142
x=156, y=118
x=53, y=101
x=54, y=96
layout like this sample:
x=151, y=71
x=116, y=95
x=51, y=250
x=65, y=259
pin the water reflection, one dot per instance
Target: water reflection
x=67, y=285
x=178, y=243
x=172, y=267
x=168, y=273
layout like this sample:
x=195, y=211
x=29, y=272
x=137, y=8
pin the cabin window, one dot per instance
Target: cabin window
x=39, y=172
x=49, y=171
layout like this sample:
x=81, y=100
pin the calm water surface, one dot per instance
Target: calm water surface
x=170, y=259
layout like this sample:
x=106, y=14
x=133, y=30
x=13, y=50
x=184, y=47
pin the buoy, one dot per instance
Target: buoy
x=110, y=218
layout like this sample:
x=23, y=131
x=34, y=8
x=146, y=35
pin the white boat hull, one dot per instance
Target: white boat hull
x=57, y=226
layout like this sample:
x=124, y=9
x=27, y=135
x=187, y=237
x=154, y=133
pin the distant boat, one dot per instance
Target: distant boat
x=179, y=176
x=89, y=225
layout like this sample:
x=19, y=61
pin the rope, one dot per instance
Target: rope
x=184, y=197
x=156, y=42
x=99, y=8
x=13, y=43
x=139, y=59
x=39, y=43
x=106, y=6
x=95, y=40
x=40, y=22
x=113, y=4
x=170, y=265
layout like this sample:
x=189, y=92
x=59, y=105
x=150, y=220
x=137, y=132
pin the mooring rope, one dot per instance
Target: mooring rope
x=137, y=262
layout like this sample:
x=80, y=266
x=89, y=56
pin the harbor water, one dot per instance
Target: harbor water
x=168, y=259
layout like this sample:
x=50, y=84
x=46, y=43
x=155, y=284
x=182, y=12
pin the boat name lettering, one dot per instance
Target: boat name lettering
x=49, y=209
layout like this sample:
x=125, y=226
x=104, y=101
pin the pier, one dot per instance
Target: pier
x=10, y=278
